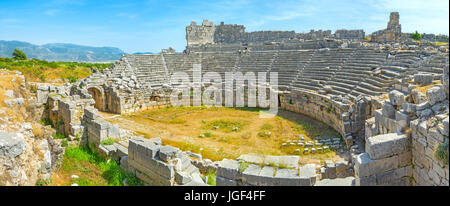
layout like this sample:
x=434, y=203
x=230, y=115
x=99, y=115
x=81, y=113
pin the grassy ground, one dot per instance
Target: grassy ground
x=43, y=71
x=91, y=170
x=219, y=133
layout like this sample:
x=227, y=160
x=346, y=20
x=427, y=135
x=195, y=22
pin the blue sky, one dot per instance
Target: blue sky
x=151, y=25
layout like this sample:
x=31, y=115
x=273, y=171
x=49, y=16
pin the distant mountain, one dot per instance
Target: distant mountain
x=62, y=52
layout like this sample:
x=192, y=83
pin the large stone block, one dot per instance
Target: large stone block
x=221, y=181
x=168, y=152
x=382, y=146
x=11, y=145
x=364, y=166
x=409, y=108
x=393, y=177
x=424, y=79
x=402, y=120
x=152, y=166
x=228, y=169
x=366, y=181
x=388, y=110
x=436, y=94
x=140, y=148
x=251, y=174
x=396, y=98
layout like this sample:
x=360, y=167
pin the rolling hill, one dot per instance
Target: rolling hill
x=62, y=52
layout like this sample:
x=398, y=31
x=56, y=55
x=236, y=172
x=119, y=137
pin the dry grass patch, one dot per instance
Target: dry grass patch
x=212, y=131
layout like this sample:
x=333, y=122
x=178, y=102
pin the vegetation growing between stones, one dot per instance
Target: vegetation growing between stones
x=211, y=177
x=243, y=165
x=109, y=141
x=59, y=136
x=36, y=70
x=441, y=152
x=91, y=169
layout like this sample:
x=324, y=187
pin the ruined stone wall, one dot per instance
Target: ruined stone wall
x=349, y=34
x=159, y=165
x=200, y=34
x=320, y=107
x=392, y=33
x=209, y=34
x=404, y=137
x=230, y=173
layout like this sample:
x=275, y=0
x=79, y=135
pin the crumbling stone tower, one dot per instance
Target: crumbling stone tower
x=200, y=34
x=392, y=33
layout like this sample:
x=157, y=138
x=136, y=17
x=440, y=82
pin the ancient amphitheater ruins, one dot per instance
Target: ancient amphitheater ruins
x=387, y=96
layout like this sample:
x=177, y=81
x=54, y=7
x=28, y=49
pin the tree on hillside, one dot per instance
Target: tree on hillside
x=19, y=55
x=416, y=36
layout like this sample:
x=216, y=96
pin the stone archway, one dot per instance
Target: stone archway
x=98, y=97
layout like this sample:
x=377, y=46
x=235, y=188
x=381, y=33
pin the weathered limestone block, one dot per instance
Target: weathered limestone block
x=107, y=150
x=251, y=174
x=388, y=111
x=308, y=171
x=11, y=145
x=221, y=181
x=402, y=120
x=422, y=106
x=330, y=169
x=396, y=98
x=142, y=148
x=228, y=169
x=445, y=128
x=424, y=79
x=124, y=163
x=409, y=108
x=436, y=94
x=91, y=113
x=395, y=177
x=364, y=166
x=168, y=152
x=386, y=145
x=120, y=152
x=182, y=178
x=366, y=181
x=288, y=177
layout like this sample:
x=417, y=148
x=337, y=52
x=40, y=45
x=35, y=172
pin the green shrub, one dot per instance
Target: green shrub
x=207, y=134
x=19, y=55
x=109, y=141
x=59, y=136
x=46, y=122
x=416, y=36
x=441, y=152
x=72, y=79
x=64, y=143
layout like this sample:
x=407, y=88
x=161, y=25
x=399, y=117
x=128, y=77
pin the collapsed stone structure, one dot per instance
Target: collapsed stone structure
x=209, y=33
x=392, y=33
x=340, y=79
